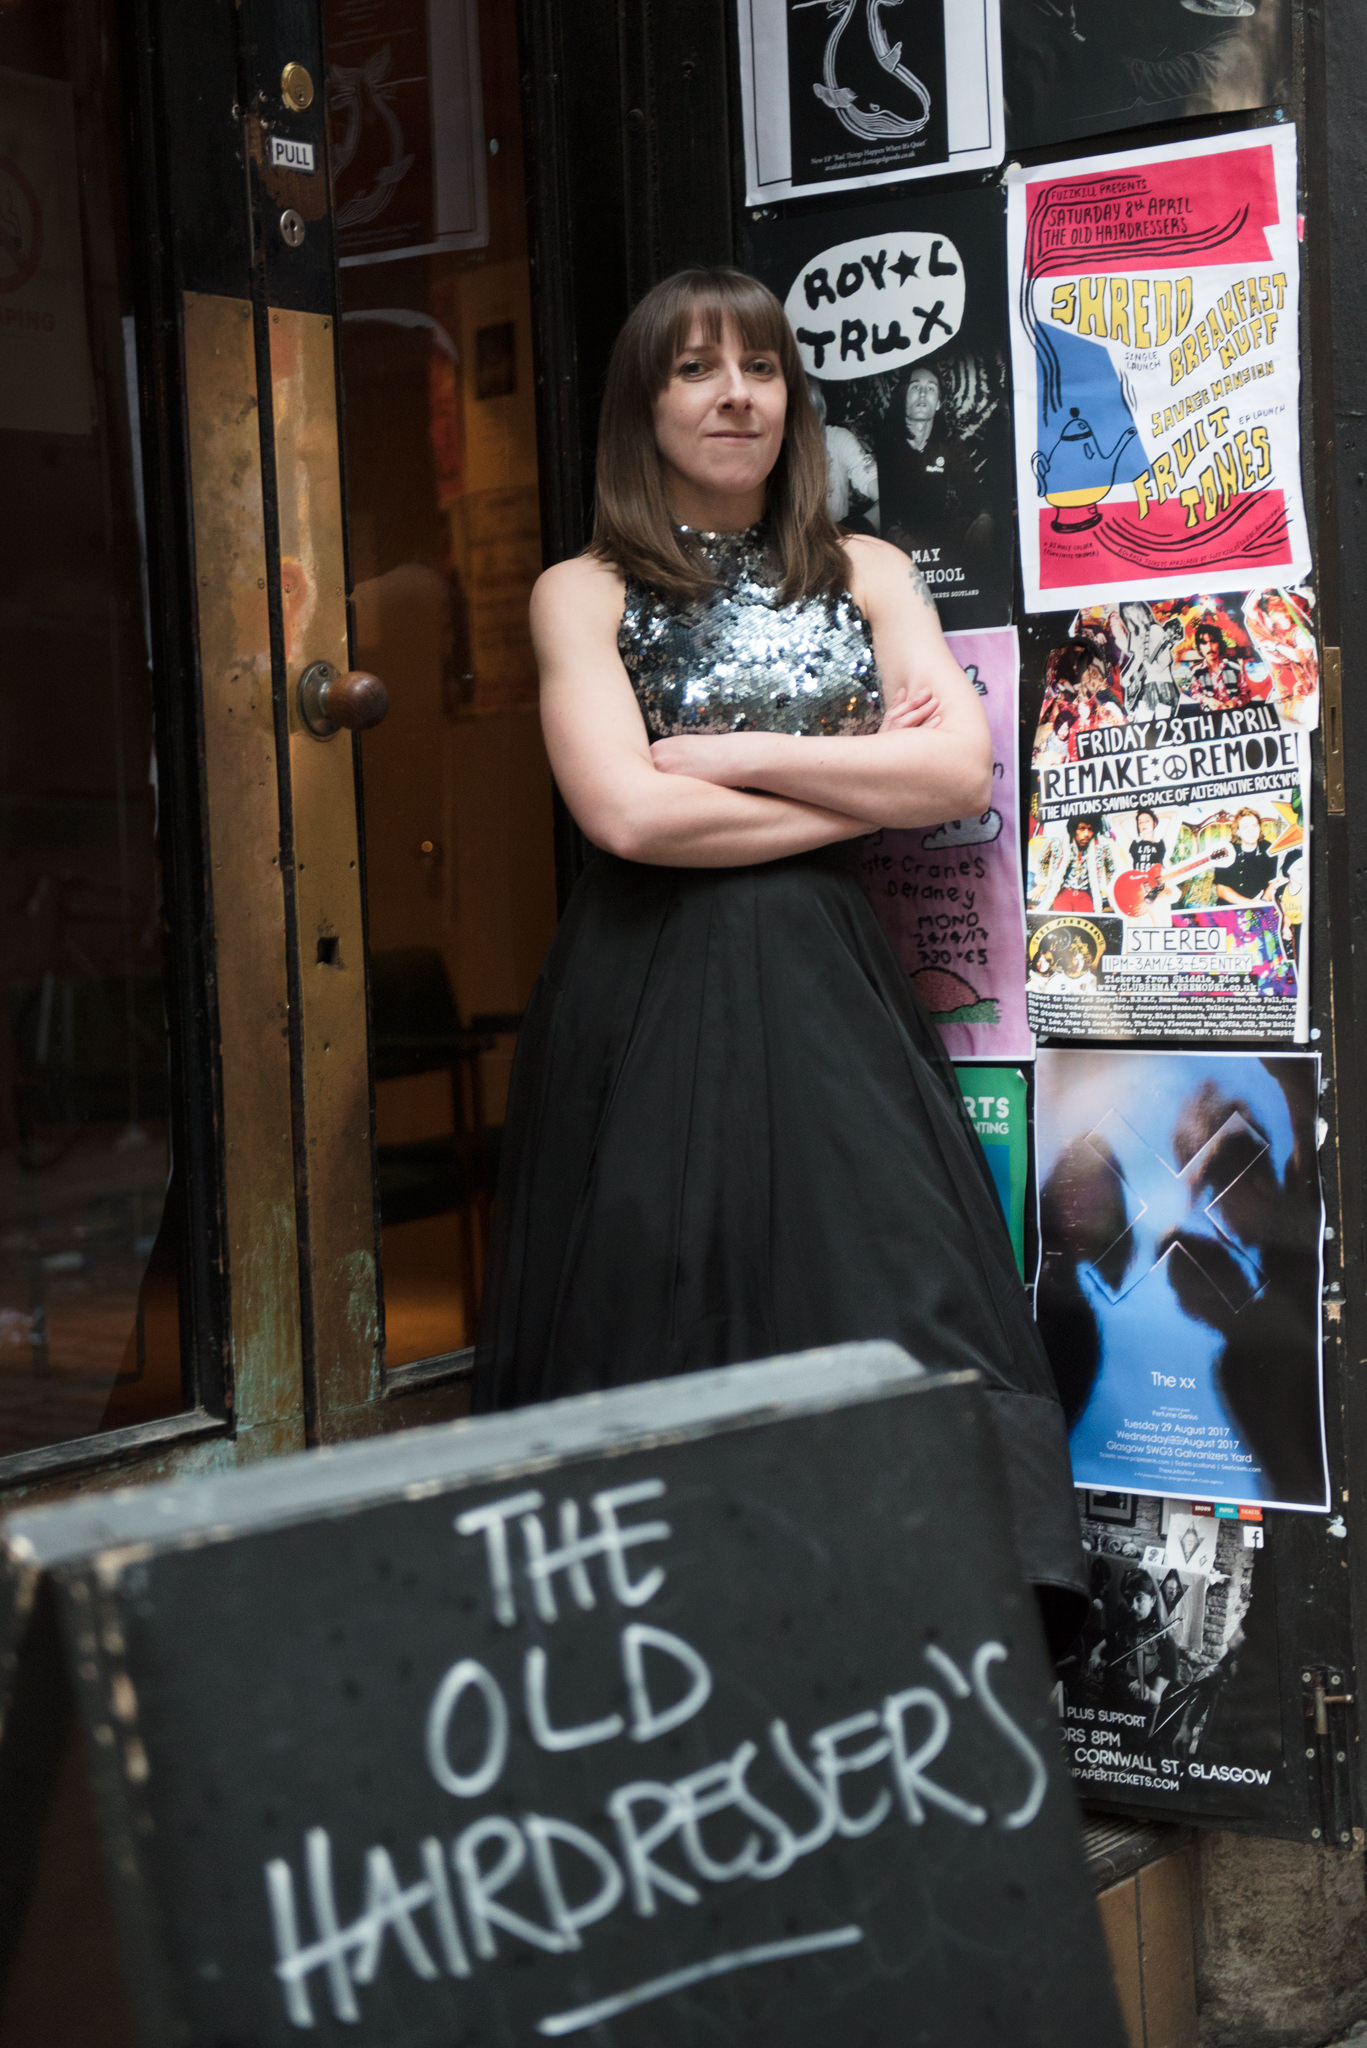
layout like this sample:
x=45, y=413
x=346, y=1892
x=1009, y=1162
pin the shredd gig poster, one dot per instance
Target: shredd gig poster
x=1180, y=1261
x=1167, y=878
x=948, y=896
x=1155, y=346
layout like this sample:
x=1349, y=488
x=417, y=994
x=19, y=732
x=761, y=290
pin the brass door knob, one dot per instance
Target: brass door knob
x=330, y=700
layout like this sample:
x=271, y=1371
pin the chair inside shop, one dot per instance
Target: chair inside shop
x=417, y=1029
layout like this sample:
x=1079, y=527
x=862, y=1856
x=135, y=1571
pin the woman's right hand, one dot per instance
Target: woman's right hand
x=917, y=707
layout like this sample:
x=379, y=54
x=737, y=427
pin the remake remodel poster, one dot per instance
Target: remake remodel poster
x=948, y=896
x=1180, y=1264
x=995, y=1100
x=836, y=94
x=1155, y=345
x=900, y=316
x=1087, y=67
x=1171, y=1694
x=1167, y=878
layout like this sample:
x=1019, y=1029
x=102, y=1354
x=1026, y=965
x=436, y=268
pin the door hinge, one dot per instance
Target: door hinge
x=1331, y=1752
x=1331, y=688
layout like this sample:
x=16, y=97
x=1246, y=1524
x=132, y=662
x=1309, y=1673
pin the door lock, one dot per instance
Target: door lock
x=330, y=700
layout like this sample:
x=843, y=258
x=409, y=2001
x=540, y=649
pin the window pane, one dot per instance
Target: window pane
x=445, y=545
x=89, y=1324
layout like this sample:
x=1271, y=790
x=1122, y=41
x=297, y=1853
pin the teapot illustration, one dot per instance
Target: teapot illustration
x=1073, y=476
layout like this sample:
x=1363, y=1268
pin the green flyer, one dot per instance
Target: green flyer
x=995, y=1099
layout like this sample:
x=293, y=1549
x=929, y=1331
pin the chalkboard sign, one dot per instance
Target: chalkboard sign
x=710, y=1710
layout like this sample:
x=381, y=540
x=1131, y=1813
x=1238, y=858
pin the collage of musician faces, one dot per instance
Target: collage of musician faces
x=1146, y=864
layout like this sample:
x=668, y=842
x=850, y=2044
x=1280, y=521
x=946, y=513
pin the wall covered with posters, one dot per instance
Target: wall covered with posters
x=1071, y=391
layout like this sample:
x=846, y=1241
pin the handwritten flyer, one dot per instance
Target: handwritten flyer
x=1155, y=349
x=1167, y=878
x=948, y=897
x=1180, y=1265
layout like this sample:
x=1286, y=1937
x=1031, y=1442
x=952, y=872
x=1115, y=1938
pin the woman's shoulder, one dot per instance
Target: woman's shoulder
x=583, y=589
x=879, y=572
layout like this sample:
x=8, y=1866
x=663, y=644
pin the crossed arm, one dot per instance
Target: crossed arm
x=738, y=798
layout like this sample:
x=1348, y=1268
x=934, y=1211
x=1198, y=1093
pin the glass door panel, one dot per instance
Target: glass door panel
x=441, y=500
x=89, y=1310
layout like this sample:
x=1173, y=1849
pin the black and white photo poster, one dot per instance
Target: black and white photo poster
x=1088, y=67
x=900, y=316
x=837, y=94
x=1170, y=1695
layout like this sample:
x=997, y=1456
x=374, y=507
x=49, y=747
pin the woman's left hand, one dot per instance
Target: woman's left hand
x=731, y=759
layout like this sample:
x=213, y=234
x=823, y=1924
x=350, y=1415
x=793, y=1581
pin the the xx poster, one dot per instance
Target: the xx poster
x=900, y=317
x=948, y=896
x=1178, y=1287
x=1167, y=883
x=1089, y=67
x=836, y=94
x=1171, y=1695
x=1155, y=344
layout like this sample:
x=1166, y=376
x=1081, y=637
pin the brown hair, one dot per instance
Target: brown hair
x=632, y=526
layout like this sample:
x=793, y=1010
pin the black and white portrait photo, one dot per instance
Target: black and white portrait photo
x=900, y=314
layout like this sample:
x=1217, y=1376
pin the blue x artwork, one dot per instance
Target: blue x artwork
x=1160, y=1202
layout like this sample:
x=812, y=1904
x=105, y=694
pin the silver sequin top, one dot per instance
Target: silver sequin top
x=739, y=661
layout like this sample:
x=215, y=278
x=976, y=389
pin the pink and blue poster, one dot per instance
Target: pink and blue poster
x=949, y=896
x=1156, y=365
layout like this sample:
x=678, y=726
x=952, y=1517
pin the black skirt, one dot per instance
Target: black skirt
x=731, y=1134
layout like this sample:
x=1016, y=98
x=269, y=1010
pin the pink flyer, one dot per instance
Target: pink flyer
x=949, y=896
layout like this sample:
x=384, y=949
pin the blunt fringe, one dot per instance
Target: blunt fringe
x=632, y=527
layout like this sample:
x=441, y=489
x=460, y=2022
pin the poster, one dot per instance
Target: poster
x=1155, y=344
x=1087, y=67
x=1171, y=1697
x=948, y=896
x=1178, y=1285
x=1167, y=878
x=995, y=1100
x=406, y=106
x=45, y=377
x=837, y=94
x=900, y=316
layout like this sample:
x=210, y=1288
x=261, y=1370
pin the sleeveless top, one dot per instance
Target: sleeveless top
x=736, y=660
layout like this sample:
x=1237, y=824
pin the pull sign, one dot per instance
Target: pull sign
x=290, y=155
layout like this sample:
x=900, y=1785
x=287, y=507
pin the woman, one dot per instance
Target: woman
x=731, y=1132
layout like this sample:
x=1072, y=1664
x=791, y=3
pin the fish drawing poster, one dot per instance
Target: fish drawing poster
x=838, y=94
x=949, y=896
x=899, y=309
x=1180, y=1265
x=1155, y=351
